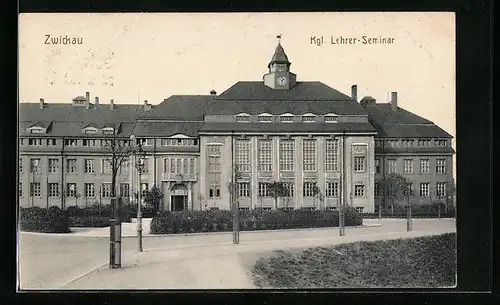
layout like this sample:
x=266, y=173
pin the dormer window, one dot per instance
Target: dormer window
x=265, y=118
x=37, y=130
x=286, y=118
x=308, y=117
x=90, y=130
x=331, y=118
x=243, y=118
x=108, y=130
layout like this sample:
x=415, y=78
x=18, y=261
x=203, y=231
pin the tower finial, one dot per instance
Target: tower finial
x=279, y=38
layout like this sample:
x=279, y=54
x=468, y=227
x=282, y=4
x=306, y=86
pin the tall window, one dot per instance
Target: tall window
x=359, y=190
x=331, y=155
x=124, y=190
x=213, y=158
x=35, y=165
x=264, y=189
x=166, y=163
x=359, y=163
x=308, y=189
x=265, y=162
x=286, y=155
x=408, y=165
x=244, y=189
x=54, y=190
x=391, y=166
x=89, y=190
x=424, y=189
x=53, y=165
x=144, y=189
x=214, y=164
x=243, y=155
x=441, y=189
x=20, y=189
x=377, y=166
x=191, y=166
x=106, y=167
x=289, y=188
x=332, y=189
x=309, y=155
x=440, y=166
x=20, y=165
x=377, y=189
x=35, y=189
x=124, y=166
x=145, y=168
x=106, y=190
x=89, y=166
x=71, y=189
x=71, y=165
x=424, y=165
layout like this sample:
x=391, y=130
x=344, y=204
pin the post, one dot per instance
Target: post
x=115, y=246
x=342, y=192
x=408, y=215
x=139, y=216
x=233, y=190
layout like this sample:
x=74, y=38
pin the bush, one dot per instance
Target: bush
x=90, y=214
x=258, y=219
x=36, y=219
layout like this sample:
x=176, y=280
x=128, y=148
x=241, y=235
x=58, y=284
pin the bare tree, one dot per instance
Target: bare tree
x=401, y=188
x=234, y=202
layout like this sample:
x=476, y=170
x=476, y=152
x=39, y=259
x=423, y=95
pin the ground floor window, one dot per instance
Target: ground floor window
x=89, y=190
x=359, y=190
x=71, y=189
x=424, y=189
x=106, y=190
x=214, y=191
x=243, y=189
x=35, y=189
x=264, y=189
x=53, y=189
x=332, y=189
x=441, y=189
x=359, y=209
x=308, y=189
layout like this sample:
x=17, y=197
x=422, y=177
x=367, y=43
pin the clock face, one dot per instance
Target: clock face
x=282, y=81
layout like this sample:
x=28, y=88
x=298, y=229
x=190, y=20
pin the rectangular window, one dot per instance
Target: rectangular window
x=289, y=188
x=20, y=165
x=263, y=189
x=35, y=165
x=71, y=189
x=173, y=163
x=440, y=166
x=214, y=190
x=441, y=189
x=89, y=190
x=424, y=165
x=286, y=155
x=106, y=190
x=178, y=165
x=376, y=189
x=331, y=155
x=51, y=142
x=359, y=209
x=166, y=165
x=20, y=189
x=54, y=190
x=191, y=166
x=359, y=190
x=408, y=164
x=308, y=190
x=71, y=165
x=89, y=166
x=391, y=166
x=144, y=189
x=377, y=166
x=89, y=143
x=243, y=155
x=309, y=155
x=213, y=158
x=124, y=190
x=35, y=142
x=424, y=189
x=265, y=162
x=359, y=164
x=244, y=189
x=144, y=141
x=35, y=189
x=53, y=165
x=70, y=142
x=332, y=189
x=185, y=165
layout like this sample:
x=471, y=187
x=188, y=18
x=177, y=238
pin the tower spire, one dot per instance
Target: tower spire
x=279, y=38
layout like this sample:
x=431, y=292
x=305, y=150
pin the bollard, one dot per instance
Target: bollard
x=115, y=234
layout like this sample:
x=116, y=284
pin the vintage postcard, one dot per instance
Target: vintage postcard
x=236, y=151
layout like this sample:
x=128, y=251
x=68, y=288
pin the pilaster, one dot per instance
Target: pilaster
x=254, y=183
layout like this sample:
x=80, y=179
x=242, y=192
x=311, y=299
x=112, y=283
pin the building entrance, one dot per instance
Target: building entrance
x=178, y=197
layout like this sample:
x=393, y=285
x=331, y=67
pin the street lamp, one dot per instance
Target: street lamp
x=139, y=165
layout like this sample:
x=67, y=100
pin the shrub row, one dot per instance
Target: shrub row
x=36, y=219
x=403, y=215
x=418, y=209
x=89, y=221
x=94, y=212
x=258, y=219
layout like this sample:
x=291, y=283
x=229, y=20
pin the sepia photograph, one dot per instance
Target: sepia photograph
x=254, y=151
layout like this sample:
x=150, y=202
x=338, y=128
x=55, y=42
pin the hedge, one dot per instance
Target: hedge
x=403, y=215
x=258, y=219
x=36, y=219
x=89, y=221
x=93, y=214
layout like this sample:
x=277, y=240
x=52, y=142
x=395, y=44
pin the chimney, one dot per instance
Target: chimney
x=96, y=100
x=42, y=103
x=213, y=92
x=354, y=92
x=111, y=104
x=147, y=107
x=394, y=101
x=87, y=100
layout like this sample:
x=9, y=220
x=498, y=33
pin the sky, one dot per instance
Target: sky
x=132, y=57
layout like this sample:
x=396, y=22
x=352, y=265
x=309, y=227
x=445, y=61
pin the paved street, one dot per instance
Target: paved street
x=195, y=261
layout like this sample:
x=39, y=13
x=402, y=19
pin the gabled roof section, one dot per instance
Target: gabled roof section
x=180, y=108
x=302, y=91
x=44, y=125
x=402, y=123
x=279, y=56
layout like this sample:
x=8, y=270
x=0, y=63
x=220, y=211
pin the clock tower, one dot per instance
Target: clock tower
x=279, y=76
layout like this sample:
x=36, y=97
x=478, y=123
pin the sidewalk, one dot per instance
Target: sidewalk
x=200, y=262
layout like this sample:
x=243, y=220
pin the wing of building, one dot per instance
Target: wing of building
x=303, y=133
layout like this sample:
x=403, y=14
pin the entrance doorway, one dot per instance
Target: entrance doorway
x=179, y=202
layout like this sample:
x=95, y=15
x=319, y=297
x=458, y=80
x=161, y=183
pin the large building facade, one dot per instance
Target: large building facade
x=305, y=134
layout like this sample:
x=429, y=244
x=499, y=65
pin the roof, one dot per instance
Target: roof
x=180, y=107
x=302, y=91
x=279, y=56
x=277, y=107
x=284, y=127
x=166, y=129
x=402, y=123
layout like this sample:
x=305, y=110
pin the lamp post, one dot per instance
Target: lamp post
x=139, y=165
